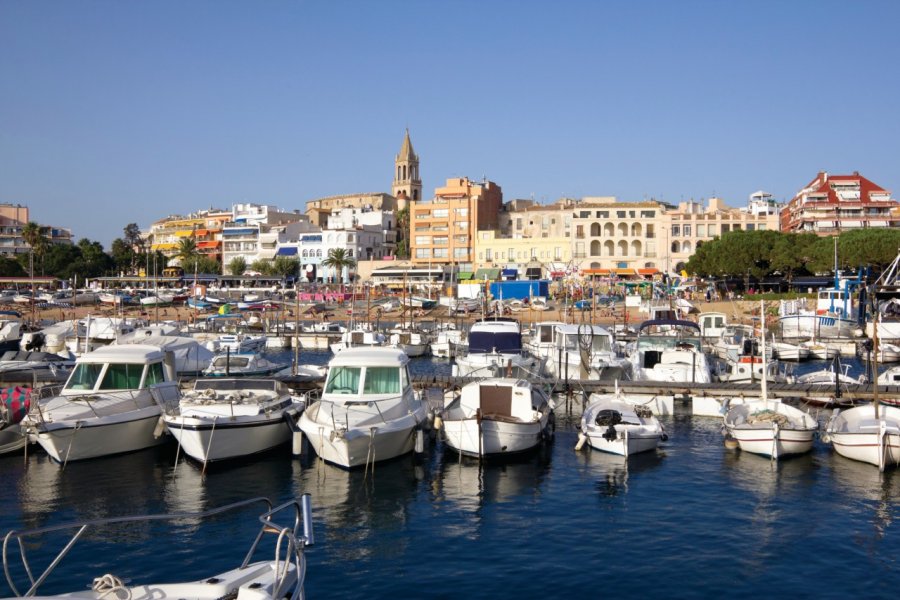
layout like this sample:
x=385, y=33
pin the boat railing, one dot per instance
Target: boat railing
x=350, y=407
x=96, y=401
x=292, y=539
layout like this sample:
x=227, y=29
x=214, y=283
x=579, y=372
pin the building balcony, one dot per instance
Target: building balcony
x=579, y=255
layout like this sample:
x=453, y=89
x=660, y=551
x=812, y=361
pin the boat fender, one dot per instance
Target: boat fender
x=731, y=443
x=438, y=421
x=297, y=443
x=420, y=441
x=160, y=427
x=581, y=440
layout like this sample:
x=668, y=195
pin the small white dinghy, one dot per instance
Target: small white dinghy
x=769, y=427
x=497, y=416
x=280, y=577
x=610, y=424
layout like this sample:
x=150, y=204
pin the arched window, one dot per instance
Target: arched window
x=595, y=229
x=686, y=247
x=636, y=230
x=676, y=247
x=595, y=248
x=635, y=248
x=304, y=254
x=609, y=248
x=623, y=229
x=319, y=253
x=609, y=230
x=623, y=248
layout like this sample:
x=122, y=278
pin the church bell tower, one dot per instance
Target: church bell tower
x=406, y=175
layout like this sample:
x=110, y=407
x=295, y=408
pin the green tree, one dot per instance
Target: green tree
x=200, y=264
x=11, y=268
x=237, y=266
x=136, y=242
x=285, y=267
x=403, y=233
x=261, y=266
x=33, y=234
x=186, y=251
x=338, y=259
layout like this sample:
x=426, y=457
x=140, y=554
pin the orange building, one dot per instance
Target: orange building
x=442, y=230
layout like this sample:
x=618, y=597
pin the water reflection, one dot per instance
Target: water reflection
x=360, y=515
x=617, y=469
x=870, y=491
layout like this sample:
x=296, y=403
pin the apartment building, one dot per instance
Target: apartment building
x=13, y=218
x=830, y=204
x=443, y=229
x=204, y=226
x=693, y=223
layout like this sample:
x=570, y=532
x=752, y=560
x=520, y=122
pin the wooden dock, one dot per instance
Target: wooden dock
x=858, y=393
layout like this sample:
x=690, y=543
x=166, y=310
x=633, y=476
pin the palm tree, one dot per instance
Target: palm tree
x=337, y=259
x=33, y=234
x=187, y=250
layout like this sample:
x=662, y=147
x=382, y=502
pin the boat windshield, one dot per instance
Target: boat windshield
x=382, y=380
x=117, y=376
x=232, y=361
x=343, y=380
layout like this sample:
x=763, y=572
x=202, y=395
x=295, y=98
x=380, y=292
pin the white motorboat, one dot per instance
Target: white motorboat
x=10, y=332
x=224, y=418
x=610, y=424
x=769, y=427
x=279, y=577
x=243, y=364
x=414, y=343
x=368, y=411
x=669, y=350
x=191, y=357
x=789, y=352
x=324, y=327
x=34, y=368
x=107, y=406
x=495, y=348
x=359, y=338
x=819, y=351
x=448, y=343
x=868, y=433
x=497, y=416
x=890, y=377
x=888, y=353
x=157, y=299
x=240, y=342
x=585, y=352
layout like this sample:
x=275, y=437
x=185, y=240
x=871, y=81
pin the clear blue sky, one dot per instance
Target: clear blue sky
x=115, y=112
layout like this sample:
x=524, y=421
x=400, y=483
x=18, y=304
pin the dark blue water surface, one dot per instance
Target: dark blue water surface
x=693, y=520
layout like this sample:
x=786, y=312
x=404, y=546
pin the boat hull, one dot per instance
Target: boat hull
x=79, y=440
x=763, y=441
x=359, y=446
x=493, y=437
x=206, y=441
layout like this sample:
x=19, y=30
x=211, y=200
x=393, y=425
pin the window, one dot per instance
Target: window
x=647, y=214
x=725, y=228
x=603, y=214
x=701, y=230
x=441, y=213
x=460, y=252
x=343, y=380
x=155, y=374
x=440, y=241
x=676, y=230
x=488, y=254
x=122, y=377
x=84, y=377
x=750, y=226
x=422, y=253
x=518, y=223
x=761, y=226
x=382, y=380
x=533, y=252
x=510, y=253
x=462, y=239
x=620, y=214
x=440, y=253
x=686, y=230
x=422, y=240
x=584, y=214
x=461, y=212
x=712, y=230
x=557, y=253
x=631, y=214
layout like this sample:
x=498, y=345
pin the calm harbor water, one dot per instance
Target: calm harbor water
x=693, y=520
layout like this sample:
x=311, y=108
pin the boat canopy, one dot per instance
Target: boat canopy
x=506, y=342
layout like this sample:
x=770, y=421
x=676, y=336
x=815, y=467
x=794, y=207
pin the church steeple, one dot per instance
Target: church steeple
x=406, y=175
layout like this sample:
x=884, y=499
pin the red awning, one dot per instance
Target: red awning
x=648, y=271
x=595, y=271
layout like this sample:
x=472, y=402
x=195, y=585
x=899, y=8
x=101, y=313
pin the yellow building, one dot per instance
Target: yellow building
x=499, y=256
x=442, y=230
x=205, y=227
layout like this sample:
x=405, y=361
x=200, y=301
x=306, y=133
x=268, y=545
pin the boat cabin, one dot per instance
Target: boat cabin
x=128, y=367
x=501, y=399
x=359, y=372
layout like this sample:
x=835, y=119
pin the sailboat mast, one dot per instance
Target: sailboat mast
x=875, y=364
x=762, y=325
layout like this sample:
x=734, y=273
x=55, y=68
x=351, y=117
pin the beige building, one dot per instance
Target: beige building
x=442, y=230
x=320, y=210
x=204, y=226
x=693, y=223
x=523, y=257
x=13, y=218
